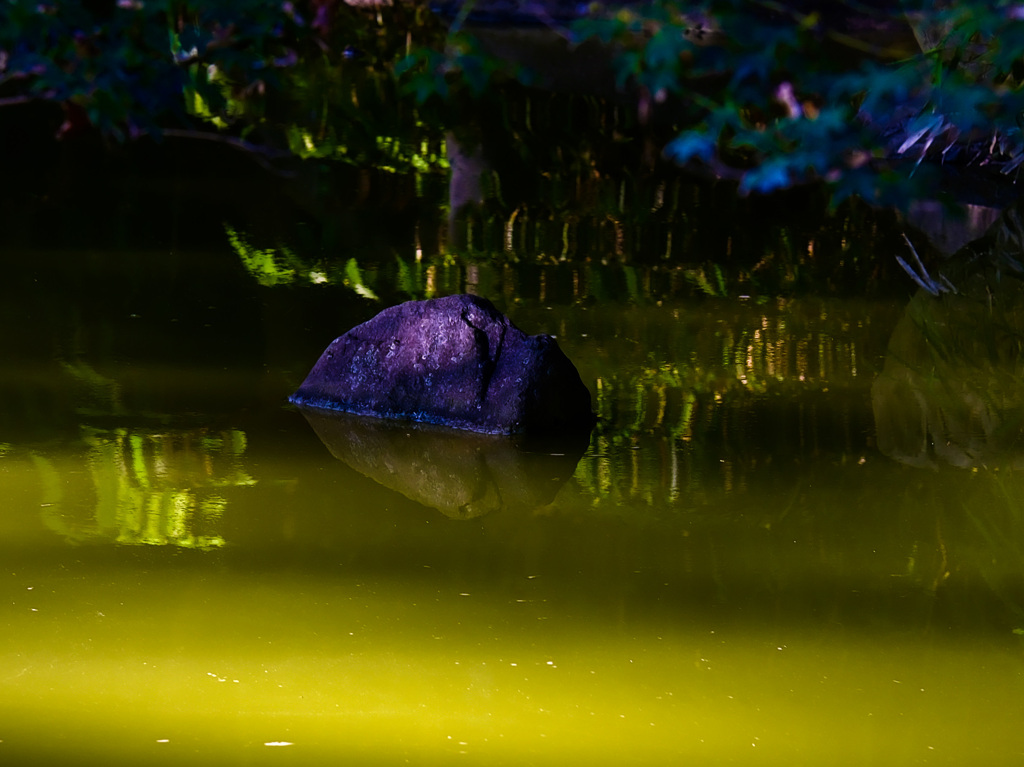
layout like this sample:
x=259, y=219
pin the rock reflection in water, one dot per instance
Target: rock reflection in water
x=950, y=389
x=462, y=474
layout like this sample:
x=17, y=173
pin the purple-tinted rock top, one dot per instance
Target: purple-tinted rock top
x=454, y=361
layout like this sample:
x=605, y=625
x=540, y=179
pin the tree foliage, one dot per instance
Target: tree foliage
x=776, y=94
x=800, y=97
x=140, y=67
x=772, y=93
x=279, y=79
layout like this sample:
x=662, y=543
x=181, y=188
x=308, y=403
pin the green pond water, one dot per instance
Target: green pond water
x=796, y=535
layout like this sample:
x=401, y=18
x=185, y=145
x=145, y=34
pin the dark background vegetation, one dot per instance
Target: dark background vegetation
x=861, y=96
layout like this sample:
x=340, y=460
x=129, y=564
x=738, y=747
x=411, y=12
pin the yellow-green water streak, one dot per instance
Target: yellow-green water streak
x=215, y=667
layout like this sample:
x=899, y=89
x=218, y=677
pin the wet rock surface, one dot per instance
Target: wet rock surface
x=455, y=362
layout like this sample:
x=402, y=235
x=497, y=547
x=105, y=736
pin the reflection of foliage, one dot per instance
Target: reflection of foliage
x=950, y=544
x=281, y=266
x=645, y=245
x=102, y=394
x=158, y=487
x=269, y=266
x=150, y=488
x=687, y=233
x=999, y=521
x=354, y=279
x=685, y=404
x=950, y=389
x=699, y=277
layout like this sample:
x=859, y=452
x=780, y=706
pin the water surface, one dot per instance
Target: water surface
x=756, y=559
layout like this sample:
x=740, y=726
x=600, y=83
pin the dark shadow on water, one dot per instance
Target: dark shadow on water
x=950, y=390
x=461, y=474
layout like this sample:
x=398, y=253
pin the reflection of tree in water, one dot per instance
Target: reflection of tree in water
x=950, y=389
x=147, y=483
x=950, y=395
x=150, y=487
x=705, y=398
x=996, y=516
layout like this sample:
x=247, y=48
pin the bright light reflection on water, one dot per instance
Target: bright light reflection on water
x=187, y=660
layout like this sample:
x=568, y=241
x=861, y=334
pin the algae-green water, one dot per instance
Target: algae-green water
x=795, y=536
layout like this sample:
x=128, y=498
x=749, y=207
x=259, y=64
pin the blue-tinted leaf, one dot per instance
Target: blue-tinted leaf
x=771, y=176
x=689, y=145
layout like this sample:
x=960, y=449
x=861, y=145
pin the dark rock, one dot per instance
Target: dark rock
x=456, y=362
x=463, y=475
